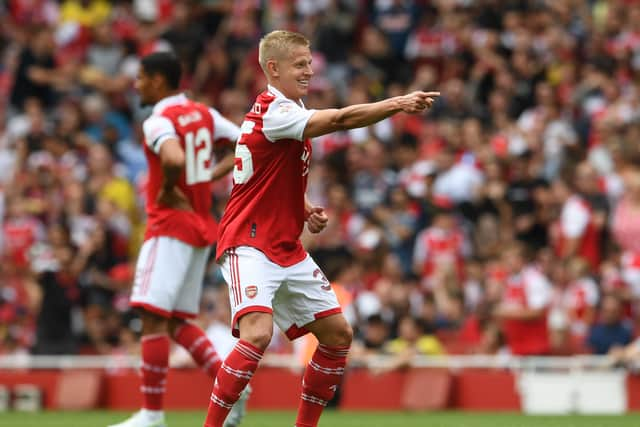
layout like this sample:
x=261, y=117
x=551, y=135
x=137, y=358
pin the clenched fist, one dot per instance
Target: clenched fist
x=317, y=220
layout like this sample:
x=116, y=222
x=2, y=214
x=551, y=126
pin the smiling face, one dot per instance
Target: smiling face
x=285, y=58
x=292, y=74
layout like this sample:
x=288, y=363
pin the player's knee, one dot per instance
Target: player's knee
x=344, y=335
x=256, y=329
x=174, y=326
x=153, y=324
x=340, y=336
x=258, y=338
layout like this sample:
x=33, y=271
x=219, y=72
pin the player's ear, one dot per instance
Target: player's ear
x=273, y=67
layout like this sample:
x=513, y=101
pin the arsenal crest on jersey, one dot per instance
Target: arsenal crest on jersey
x=251, y=291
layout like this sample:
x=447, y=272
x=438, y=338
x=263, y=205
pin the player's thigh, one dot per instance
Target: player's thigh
x=306, y=297
x=188, y=299
x=252, y=279
x=160, y=271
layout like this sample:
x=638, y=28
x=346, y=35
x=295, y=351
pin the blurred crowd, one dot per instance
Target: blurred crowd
x=506, y=220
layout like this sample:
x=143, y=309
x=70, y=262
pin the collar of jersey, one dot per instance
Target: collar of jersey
x=279, y=94
x=169, y=101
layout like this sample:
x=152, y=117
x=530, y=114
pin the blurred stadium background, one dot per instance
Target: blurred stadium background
x=533, y=150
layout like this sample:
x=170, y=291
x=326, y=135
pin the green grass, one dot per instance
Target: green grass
x=329, y=419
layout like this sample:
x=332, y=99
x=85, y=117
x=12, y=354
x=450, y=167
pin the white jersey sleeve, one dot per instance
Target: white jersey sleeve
x=574, y=218
x=285, y=119
x=420, y=249
x=590, y=292
x=537, y=288
x=157, y=130
x=223, y=127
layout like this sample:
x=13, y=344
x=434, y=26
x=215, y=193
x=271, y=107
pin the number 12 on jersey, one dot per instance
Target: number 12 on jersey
x=198, y=148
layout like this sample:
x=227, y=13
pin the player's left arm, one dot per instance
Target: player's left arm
x=224, y=130
x=315, y=216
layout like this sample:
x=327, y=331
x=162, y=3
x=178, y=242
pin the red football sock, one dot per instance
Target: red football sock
x=321, y=379
x=195, y=341
x=155, y=362
x=232, y=378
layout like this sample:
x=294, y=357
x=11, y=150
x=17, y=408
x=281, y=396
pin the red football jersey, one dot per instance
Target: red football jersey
x=436, y=248
x=529, y=289
x=19, y=236
x=266, y=207
x=197, y=127
x=577, y=221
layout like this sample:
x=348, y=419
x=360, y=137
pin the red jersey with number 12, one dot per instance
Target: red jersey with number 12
x=192, y=124
x=266, y=207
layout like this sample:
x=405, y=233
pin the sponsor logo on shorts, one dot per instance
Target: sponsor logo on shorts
x=251, y=291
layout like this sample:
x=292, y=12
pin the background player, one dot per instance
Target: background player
x=271, y=276
x=178, y=142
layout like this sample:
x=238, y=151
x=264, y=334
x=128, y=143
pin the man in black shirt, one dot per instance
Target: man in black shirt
x=35, y=75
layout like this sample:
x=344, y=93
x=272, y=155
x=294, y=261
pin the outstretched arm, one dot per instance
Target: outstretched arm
x=323, y=122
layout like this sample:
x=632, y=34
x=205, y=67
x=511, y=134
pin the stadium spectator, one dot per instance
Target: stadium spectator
x=524, y=306
x=581, y=297
x=625, y=356
x=411, y=342
x=375, y=335
x=57, y=267
x=36, y=74
x=583, y=218
x=440, y=249
x=611, y=330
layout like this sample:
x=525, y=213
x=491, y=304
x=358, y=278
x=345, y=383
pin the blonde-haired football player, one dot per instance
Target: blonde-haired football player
x=270, y=275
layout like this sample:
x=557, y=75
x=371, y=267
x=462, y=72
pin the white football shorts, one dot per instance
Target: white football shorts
x=295, y=295
x=168, y=278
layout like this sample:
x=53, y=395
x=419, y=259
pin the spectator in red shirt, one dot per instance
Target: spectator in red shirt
x=583, y=217
x=524, y=305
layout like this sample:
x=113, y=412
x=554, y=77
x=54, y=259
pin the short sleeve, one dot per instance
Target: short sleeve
x=574, y=219
x=158, y=129
x=285, y=119
x=223, y=127
x=591, y=293
x=420, y=250
x=538, y=290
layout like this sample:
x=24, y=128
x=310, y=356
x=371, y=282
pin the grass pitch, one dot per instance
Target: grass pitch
x=329, y=419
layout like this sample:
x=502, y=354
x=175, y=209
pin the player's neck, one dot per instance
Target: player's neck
x=283, y=93
x=166, y=94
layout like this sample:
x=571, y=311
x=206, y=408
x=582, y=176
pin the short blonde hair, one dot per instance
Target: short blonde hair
x=277, y=43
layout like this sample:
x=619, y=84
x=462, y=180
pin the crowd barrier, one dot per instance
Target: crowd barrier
x=582, y=384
